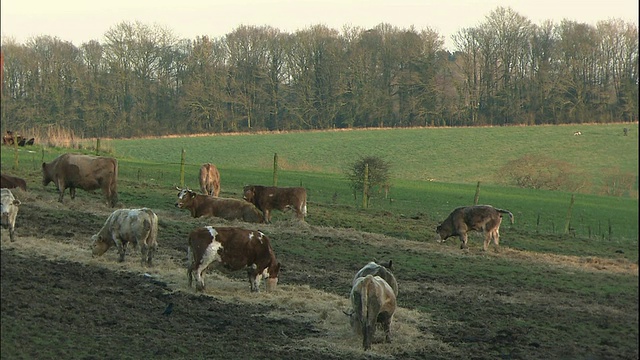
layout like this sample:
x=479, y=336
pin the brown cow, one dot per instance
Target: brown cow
x=378, y=269
x=9, y=212
x=372, y=301
x=267, y=198
x=85, y=172
x=483, y=218
x=234, y=248
x=12, y=182
x=124, y=226
x=209, y=180
x=225, y=208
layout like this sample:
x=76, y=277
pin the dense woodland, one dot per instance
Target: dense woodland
x=142, y=80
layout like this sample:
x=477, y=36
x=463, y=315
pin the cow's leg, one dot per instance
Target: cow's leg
x=200, y=277
x=463, y=240
x=267, y=216
x=151, y=250
x=72, y=192
x=487, y=238
x=386, y=325
x=121, y=246
x=61, y=190
x=254, y=277
x=144, y=251
x=12, y=231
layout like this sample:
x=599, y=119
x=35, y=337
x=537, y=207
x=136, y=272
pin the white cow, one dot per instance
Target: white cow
x=372, y=301
x=123, y=226
x=9, y=212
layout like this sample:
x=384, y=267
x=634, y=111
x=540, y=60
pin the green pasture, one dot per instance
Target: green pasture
x=433, y=172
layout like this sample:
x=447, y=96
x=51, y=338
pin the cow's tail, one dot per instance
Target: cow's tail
x=506, y=212
x=153, y=232
x=370, y=313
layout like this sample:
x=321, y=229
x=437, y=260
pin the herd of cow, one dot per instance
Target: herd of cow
x=374, y=288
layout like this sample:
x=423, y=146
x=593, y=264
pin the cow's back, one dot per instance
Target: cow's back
x=12, y=182
x=377, y=270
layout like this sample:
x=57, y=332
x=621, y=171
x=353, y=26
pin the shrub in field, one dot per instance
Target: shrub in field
x=619, y=183
x=378, y=175
x=542, y=172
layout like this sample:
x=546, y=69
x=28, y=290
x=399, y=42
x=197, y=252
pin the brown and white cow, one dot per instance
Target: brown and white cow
x=372, y=301
x=136, y=226
x=484, y=218
x=267, y=198
x=9, y=212
x=209, y=179
x=85, y=172
x=225, y=208
x=12, y=182
x=378, y=269
x=235, y=249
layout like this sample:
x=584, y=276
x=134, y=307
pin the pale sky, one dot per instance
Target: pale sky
x=79, y=21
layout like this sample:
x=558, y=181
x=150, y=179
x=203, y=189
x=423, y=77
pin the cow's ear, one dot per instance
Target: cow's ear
x=16, y=202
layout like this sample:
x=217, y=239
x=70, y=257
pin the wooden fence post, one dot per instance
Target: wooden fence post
x=15, y=153
x=365, y=187
x=97, y=146
x=182, y=168
x=477, y=195
x=568, y=222
x=275, y=169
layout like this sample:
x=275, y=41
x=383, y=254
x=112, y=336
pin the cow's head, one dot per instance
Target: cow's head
x=388, y=265
x=99, y=245
x=46, y=175
x=184, y=196
x=9, y=206
x=442, y=233
x=249, y=193
x=271, y=274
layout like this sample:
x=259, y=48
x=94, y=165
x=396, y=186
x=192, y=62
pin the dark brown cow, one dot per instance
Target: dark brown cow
x=378, y=269
x=235, y=249
x=225, y=208
x=372, y=301
x=267, y=198
x=483, y=218
x=85, y=172
x=209, y=179
x=12, y=182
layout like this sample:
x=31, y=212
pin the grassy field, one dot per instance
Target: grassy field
x=545, y=294
x=433, y=171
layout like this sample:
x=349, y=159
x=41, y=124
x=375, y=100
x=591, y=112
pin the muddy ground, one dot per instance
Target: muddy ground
x=59, y=303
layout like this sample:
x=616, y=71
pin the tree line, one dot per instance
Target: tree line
x=143, y=80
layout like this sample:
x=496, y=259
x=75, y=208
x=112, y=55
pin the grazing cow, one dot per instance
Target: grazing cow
x=625, y=131
x=225, y=208
x=483, y=218
x=9, y=212
x=234, y=248
x=85, y=172
x=577, y=133
x=12, y=182
x=372, y=301
x=124, y=226
x=267, y=198
x=209, y=180
x=378, y=269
